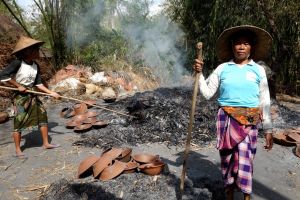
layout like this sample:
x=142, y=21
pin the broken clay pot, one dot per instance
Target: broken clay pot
x=282, y=139
x=83, y=127
x=131, y=167
x=86, y=164
x=112, y=171
x=125, y=156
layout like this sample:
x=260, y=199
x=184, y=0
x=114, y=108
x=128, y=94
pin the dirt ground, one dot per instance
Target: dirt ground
x=276, y=173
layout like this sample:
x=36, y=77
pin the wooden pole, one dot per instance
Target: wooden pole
x=70, y=98
x=191, y=122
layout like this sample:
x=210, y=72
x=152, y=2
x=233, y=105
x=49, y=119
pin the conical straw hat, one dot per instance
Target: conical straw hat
x=259, y=51
x=25, y=42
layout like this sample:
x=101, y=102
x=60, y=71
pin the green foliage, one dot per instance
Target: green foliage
x=204, y=21
x=107, y=44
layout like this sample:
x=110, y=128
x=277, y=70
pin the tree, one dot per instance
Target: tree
x=53, y=16
x=205, y=20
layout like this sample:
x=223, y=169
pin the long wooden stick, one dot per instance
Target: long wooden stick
x=70, y=98
x=191, y=122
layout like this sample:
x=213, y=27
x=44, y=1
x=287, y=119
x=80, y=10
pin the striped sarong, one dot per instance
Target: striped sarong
x=237, y=148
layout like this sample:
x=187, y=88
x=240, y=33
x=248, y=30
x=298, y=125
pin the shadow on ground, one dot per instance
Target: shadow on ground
x=203, y=173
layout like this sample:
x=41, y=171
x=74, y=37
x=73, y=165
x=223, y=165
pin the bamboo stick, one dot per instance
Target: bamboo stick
x=69, y=98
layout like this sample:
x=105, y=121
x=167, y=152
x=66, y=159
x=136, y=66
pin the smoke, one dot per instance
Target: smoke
x=155, y=41
x=84, y=24
x=158, y=43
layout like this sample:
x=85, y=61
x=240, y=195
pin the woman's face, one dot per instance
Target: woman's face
x=241, y=48
x=31, y=53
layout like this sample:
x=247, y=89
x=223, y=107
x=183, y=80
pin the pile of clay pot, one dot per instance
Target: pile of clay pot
x=80, y=119
x=115, y=161
x=289, y=137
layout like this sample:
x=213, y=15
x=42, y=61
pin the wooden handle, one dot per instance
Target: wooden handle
x=199, y=46
x=192, y=114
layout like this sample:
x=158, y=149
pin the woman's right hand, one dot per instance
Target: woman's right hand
x=198, y=65
x=22, y=89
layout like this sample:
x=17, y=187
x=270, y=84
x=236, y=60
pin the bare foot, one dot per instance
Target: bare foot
x=51, y=146
x=20, y=155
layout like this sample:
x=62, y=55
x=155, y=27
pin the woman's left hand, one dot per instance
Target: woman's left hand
x=269, y=141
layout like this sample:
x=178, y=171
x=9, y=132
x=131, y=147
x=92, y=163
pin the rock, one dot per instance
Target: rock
x=109, y=93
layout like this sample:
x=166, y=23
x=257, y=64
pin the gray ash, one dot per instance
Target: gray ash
x=161, y=116
x=135, y=187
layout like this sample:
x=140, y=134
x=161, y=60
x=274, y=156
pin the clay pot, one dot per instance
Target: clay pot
x=106, y=158
x=112, y=153
x=3, y=117
x=125, y=156
x=89, y=120
x=90, y=103
x=91, y=114
x=80, y=108
x=294, y=136
x=83, y=127
x=112, y=171
x=72, y=123
x=100, y=124
x=282, y=139
x=153, y=168
x=297, y=150
x=80, y=118
x=130, y=167
x=100, y=165
x=86, y=164
x=67, y=112
x=145, y=158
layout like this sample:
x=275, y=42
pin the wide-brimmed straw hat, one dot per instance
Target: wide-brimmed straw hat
x=25, y=42
x=259, y=50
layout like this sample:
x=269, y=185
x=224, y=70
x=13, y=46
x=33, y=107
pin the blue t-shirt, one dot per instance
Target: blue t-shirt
x=239, y=85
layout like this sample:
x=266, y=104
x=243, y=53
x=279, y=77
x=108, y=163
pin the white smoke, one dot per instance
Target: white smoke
x=158, y=42
x=159, y=50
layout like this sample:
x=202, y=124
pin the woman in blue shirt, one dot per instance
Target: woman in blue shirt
x=244, y=102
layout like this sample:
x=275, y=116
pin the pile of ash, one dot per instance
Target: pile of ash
x=135, y=187
x=162, y=115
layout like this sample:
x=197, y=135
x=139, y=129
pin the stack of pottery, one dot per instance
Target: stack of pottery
x=80, y=118
x=115, y=161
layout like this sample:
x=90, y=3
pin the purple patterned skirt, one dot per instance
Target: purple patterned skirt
x=237, y=147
